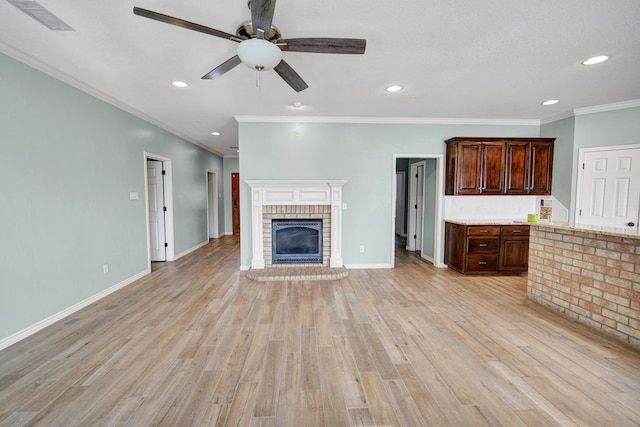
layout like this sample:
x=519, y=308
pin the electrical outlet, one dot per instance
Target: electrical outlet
x=361, y=248
x=105, y=269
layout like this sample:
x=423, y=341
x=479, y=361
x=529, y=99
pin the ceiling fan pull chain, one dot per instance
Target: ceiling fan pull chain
x=259, y=83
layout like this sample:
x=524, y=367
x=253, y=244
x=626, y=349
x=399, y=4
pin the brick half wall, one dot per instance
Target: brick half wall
x=591, y=277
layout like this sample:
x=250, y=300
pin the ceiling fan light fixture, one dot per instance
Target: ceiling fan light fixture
x=259, y=54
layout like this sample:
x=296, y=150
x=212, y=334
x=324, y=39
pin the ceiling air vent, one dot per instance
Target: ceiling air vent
x=42, y=15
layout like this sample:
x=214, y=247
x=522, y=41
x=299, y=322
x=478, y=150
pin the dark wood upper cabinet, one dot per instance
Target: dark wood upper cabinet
x=541, y=168
x=529, y=166
x=495, y=166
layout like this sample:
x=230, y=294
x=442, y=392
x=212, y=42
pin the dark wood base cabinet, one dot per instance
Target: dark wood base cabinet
x=486, y=249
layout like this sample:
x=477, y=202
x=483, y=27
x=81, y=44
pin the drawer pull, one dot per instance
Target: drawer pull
x=484, y=231
x=482, y=262
x=483, y=245
x=517, y=231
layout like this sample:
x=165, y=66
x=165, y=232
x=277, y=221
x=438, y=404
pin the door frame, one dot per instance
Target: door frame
x=168, y=201
x=212, y=204
x=438, y=250
x=579, y=181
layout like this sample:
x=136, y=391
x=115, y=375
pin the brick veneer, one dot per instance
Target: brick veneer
x=270, y=212
x=588, y=276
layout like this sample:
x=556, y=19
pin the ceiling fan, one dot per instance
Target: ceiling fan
x=260, y=43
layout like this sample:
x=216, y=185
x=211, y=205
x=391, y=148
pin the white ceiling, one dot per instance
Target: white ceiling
x=472, y=59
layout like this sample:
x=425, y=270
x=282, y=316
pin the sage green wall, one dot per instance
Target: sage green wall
x=69, y=162
x=230, y=165
x=359, y=153
x=564, y=168
x=609, y=128
x=430, y=195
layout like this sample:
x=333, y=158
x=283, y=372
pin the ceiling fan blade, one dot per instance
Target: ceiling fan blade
x=222, y=68
x=262, y=15
x=324, y=45
x=184, y=24
x=289, y=75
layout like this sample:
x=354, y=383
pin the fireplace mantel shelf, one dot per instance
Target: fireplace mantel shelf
x=296, y=193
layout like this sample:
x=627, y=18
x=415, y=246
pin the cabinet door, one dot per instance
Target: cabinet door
x=469, y=168
x=541, y=168
x=493, y=165
x=514, y=254
x=517, y=168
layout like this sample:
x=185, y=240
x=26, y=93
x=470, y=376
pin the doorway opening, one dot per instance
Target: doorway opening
x=159, y=208
x=423, y=210
x=212, y=205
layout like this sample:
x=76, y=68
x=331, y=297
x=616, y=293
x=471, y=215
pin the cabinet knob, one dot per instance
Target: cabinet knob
x=482, y=262
x=631, y=224
x=482, y=245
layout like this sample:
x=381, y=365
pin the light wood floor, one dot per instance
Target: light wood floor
x=197, y=343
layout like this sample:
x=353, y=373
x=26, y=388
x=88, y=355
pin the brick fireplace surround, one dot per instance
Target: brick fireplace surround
x=271, y=212
x=296, y=199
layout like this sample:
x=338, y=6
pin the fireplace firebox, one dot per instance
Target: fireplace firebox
x=296, y=241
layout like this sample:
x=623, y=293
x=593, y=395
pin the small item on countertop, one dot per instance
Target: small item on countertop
x=545, y=209
x=532, y=218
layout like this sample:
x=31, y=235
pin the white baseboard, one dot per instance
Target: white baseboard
x=245, y=267
x=364, y=266
x=188, y=251
x=227, y=233
x=20, y=335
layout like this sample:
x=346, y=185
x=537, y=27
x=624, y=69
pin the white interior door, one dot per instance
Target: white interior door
x=416, y=206
x=155, y=182
x=401, y=202
x=610, y=187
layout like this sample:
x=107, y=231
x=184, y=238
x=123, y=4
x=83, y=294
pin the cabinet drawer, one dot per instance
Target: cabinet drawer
x=482, y=245
x=482, y=262
x=514, y=230
x=483, y=230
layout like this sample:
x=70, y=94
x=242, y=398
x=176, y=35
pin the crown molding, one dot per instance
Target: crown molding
x=556, y=118
x=386, y=120
x=607, y=107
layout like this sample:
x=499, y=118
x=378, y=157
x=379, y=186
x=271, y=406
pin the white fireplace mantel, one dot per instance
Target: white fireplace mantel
x=296, y=192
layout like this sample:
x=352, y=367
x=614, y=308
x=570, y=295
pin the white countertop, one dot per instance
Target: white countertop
x=597, y=229
x=489, y=221
x=623, y=232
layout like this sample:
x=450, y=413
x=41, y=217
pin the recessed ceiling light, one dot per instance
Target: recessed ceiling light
x=394, y=88
x=595, y=60
x=215, y=133
x=550, y=102
x=178, y=83
x=296, y=104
